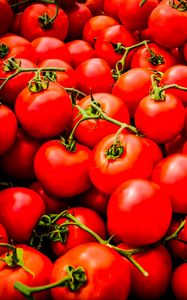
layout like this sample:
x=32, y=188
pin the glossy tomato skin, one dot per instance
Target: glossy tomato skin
x=171, y=22
x=33, y=27
x=46, y=113
x=60, y=170
x=135, y=212
x=132, y=86
x=94, y=75
x=3, y=238
x=111, y=8
x=135, y=161
x=160, y=114
x=6, y=16
x=17, y=47
x=107, y=273
x=90, y=132
x=8, y=123
x=18, y=162
x=76, y=235
x=155, y=150
x=36, y=262
x=20, y=205
x=157, y=262
x=130, y=9
x=178, y=282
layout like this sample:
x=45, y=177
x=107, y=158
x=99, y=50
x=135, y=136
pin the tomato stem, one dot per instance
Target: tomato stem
x=46, y=21
x=176, y=232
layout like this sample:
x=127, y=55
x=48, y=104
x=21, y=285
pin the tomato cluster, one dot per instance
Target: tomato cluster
x=93, y=149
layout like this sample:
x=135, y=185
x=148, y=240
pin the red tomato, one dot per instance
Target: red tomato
x=75, y=235
x=171, y=174
x=67, y=78
x=111, y=8
x=3, y=239
x=38, y=20
x=95, y=25
x=166, y=118
x=113, y=162
x=62, y=172
x=175, y=146
x=176, y=75
x=50, y=47
x=132, y=86
x=130, y=9
x=95, y=6
x=107, y=273
x=45, y=113
x=21, y=208
x=78, y=16
x=6, y=16
x=90, y=132
x=15, y=26
x=178, y=282
x=8, y=128
x=13, y=87
x=36, y=262
x=135, y=212
x=12, y=45
x=155, y=150
x=153, y=57
x=170, y=19
x=107, y=41
x=94, y=76
x=157, y=262
x=80, y=51
x=18, y=162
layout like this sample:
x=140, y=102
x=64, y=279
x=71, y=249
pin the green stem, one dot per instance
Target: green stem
x=176, y=233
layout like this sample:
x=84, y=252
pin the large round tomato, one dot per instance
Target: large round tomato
x=178, y=282
x=135, y=212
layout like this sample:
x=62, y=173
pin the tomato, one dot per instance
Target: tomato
x=171, y=174
x=13, y=87
x=178, y=282
x=66, y=78
x=132, y=86
x=78, y=16
x=59, y=170
x=50, y=47
x=40, y=19
x=95, y=6
x=107, y=273
x=106, y=44
x=3, y=238
x=35, y=262
x=15, y=26
x=170, y=18
x=111, y=8
x=135, y=212
x=8, y=123
x=80, y=51
x=75, y=235
x=6, y=16
x=175, y=146
x=21, y=208
x=94, y=76
x=157, y=262
x=166, y=117
x=176, y=74
x=154, y=57
x=18, y=162
x=45, y=113
x=95, y=25
x=154, y=149
x=12, y=45
x=90, y=132
x=114, y=161
x=130, y=9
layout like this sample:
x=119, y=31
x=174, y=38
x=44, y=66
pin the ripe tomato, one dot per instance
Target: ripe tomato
x=8, y=128
x=166, y=118
x=95, y=6
x=111, y=8
x=35, y=261
x=107, y=273
x=154, y=149
x=6, y=16
x=59, y=170
x=45, y=113
x=3, y=239
x=114, y=161
x=178, y=282
x=135, y=212
x=171, y=174
x=132, y=86
x=38, y=20
x=90, y=132
x=75, y=235
x=18, y=162
x=175, y=146
x=21, y=208
x=94, y=76
x=12, y=45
